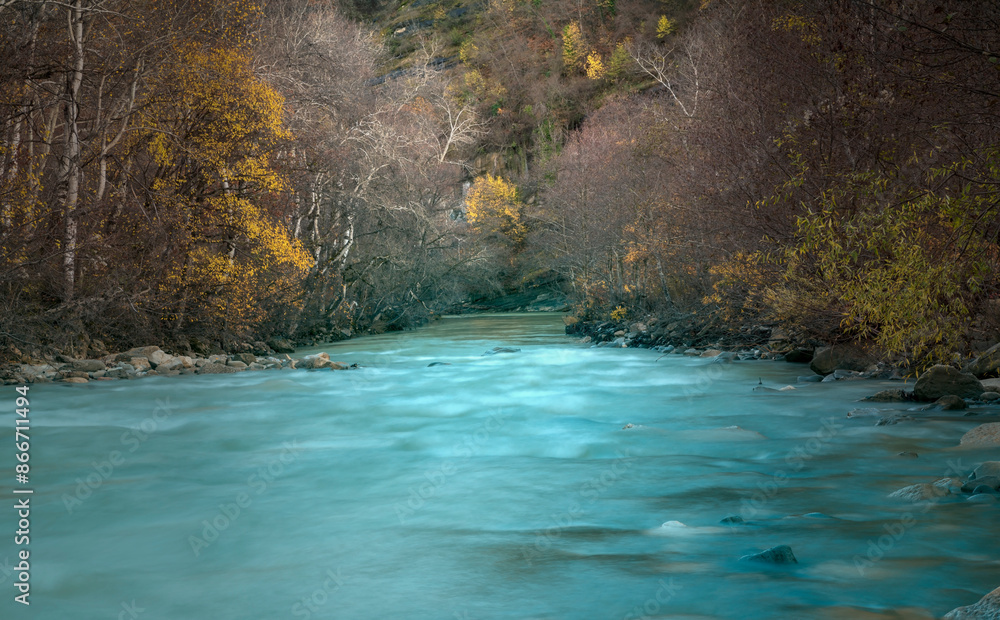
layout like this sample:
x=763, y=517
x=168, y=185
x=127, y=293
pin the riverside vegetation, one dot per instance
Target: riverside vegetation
x=230, y=172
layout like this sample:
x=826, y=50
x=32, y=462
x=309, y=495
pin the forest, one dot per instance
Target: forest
x=203, y=173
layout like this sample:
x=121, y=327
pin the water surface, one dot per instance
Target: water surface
x=503, y=486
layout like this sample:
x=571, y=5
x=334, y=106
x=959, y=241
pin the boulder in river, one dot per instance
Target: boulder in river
x=993, y=482
x=919, y=492
x=782, y=554
x=799, y=356
x=889, y=396
x=941, y=380
x=988, y=608
x=951, y=402
x=983, y=436
x=842, y=357
x=991, y=384
x=988, y=468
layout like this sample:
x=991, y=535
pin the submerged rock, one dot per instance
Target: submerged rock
x=733, y=520
x=988, y=608
x=919, y=492
x=990, y=482
x=889, y=396
x=438, y=364
x=941, y=380
x=843, y=357
x=782, y=554
x=894, y=418
x=982, y=498
x=496, y=350
x=983, y=436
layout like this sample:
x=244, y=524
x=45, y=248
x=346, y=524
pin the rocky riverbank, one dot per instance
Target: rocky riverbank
x=691, y=335
x=151, y=361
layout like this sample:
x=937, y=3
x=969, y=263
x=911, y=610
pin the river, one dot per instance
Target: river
x=503, y=486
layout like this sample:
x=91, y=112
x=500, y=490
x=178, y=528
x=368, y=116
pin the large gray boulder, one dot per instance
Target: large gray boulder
x=87, y=365
x=987, y=364
x=920, y=492
x=145, y=352
x=158, y=357
x=941, y=380
x=983, y=436
x=246, y=358
x=839, y=357
x=991, y=384
x=988, y=608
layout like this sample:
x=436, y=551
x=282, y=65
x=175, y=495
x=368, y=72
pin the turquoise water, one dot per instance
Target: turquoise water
x=493, y=487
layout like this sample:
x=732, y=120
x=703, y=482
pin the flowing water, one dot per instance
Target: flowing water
x=502, y=486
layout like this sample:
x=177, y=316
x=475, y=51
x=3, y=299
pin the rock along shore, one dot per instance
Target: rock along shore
x=151, y=361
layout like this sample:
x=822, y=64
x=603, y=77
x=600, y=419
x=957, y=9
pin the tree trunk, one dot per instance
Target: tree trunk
x=69, y=169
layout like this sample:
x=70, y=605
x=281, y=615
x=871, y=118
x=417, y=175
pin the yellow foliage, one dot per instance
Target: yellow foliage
x=618, y=314
x=805, y=27
x=492, y=206
x=665, y=26
x=213, y=134
x=573, y=47
x=595, y=67
x=468, y=52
